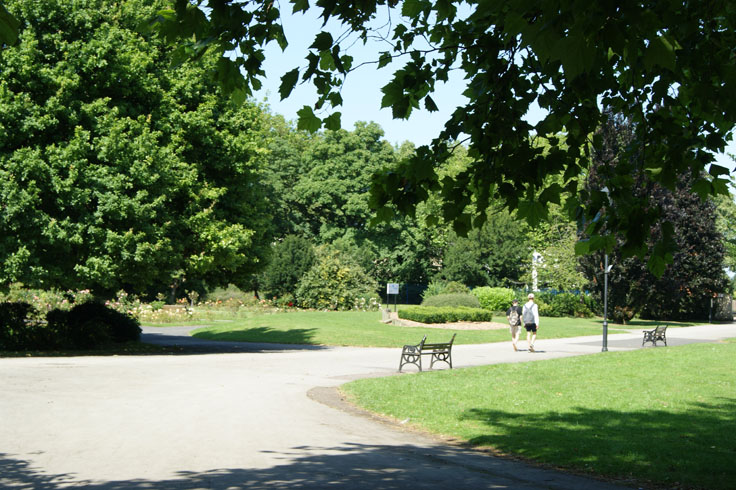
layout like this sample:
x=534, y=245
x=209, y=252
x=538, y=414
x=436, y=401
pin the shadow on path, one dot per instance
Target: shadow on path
x=350, y=466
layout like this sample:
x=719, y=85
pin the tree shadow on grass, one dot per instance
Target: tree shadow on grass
x=689, y=449
x=262, y=335
x=259, y=339
x=348, y=466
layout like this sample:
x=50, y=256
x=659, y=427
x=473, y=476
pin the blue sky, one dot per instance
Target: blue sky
x=362, y=92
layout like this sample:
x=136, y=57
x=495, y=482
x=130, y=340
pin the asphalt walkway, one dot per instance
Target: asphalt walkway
x=237, y=416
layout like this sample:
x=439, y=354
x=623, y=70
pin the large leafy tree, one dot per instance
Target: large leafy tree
x=493, y=255
x=115, y=172
x=696, y=274
x=668, y=65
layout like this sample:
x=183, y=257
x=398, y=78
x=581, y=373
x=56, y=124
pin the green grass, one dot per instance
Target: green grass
x=364, y=329
x=664, y=416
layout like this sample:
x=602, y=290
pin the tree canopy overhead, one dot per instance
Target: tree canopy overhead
x=667, y=65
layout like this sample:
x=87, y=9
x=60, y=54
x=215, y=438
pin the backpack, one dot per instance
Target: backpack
x=514, y=317
x=527, y=314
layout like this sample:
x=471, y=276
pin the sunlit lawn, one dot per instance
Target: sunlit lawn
x=365, y=329
x=663, y=415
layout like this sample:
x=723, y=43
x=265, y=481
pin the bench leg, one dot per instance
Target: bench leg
x=410, y=358
x=443, y=357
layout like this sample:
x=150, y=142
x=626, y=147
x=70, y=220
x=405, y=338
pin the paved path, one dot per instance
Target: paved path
x=248, y=416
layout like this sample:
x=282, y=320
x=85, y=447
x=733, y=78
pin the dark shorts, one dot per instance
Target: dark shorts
x=531, y=327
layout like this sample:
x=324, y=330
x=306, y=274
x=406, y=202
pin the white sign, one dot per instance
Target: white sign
x=392, y=288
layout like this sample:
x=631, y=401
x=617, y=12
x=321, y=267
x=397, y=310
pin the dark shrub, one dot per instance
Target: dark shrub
x=14, y=331
x=91, y=325
x=457, y=299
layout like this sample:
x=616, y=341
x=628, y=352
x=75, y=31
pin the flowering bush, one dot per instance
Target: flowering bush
x=335, y=282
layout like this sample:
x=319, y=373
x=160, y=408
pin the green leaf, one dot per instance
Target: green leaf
x=384, y=59
x=533, y=211
x=307, y=120
x=657, y=263
x=716, y=170
x=8, y=27
x=576, y=55
x=582, y=247
x=326, y=61
x=300, y=6
x=412, y=8
x=238, y=96
x=702, y=187
x=430, y=105
x=322, y=41
x=288, y=82
x=333, y=121
x=660, y=52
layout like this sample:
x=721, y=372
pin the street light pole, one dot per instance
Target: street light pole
x=605, y=303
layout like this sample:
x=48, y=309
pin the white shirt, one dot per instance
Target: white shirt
x=535, y=310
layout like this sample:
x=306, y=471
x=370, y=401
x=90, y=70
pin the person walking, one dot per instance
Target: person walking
x=513, y=315
x=530, y=316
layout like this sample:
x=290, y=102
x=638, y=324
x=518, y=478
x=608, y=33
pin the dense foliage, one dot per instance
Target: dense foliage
x=495, y=299
x=116, y=173
x=567, y=304
x=666, y=65
x=336, y=282
x=696, y=273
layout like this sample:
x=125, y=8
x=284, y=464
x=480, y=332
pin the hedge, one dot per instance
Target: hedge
x=445, y=314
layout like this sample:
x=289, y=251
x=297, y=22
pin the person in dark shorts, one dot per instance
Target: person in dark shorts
x=530, y=317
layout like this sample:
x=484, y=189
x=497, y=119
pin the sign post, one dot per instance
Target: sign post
x=392, y=288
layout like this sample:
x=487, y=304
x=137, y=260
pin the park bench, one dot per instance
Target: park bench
x=653, y=336
x=412, y=354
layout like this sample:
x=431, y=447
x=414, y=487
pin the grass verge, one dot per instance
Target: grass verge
x=662, y=416
x=357, y=328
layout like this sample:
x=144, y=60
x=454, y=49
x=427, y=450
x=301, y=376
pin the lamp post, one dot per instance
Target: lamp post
x=606, y=270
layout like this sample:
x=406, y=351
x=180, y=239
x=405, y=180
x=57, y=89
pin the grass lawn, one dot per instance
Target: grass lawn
x=364, y=329
x=664, y=416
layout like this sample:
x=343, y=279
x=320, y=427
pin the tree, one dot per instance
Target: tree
x=292, y=258
x=322, y=183
x=726, y=226
x=490, y=256
x=554, y=239
x=696, y=273
x=666, y=65
x=116, y=173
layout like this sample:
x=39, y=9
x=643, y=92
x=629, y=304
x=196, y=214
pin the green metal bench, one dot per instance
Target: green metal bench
x=440, y=352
